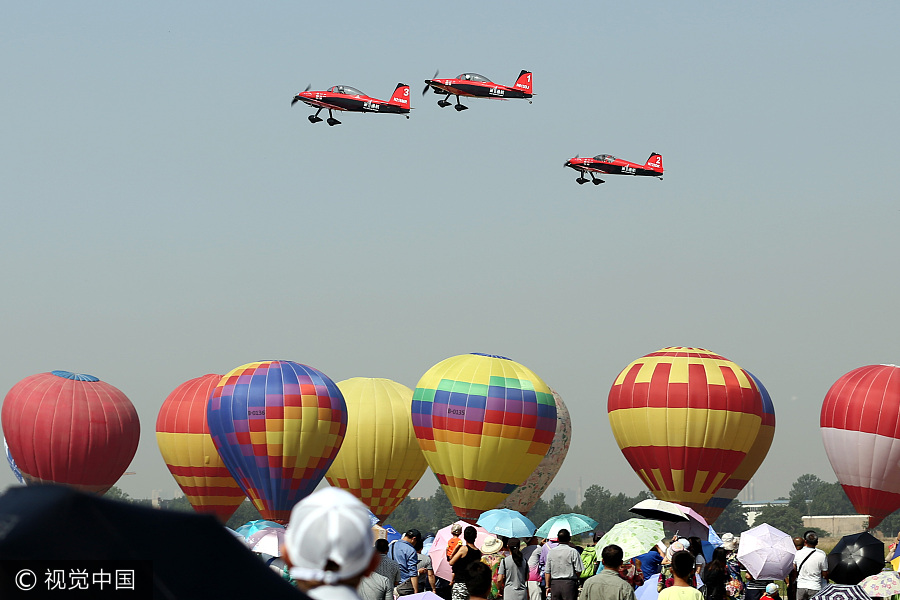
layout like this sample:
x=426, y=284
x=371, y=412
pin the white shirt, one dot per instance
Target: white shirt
x=810, y=576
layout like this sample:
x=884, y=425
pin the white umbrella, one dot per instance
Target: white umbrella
x=659, y=510
x=766, y=552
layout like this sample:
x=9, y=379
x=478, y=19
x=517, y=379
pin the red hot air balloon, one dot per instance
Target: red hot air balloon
x=185, y=444
x=69, y=428
x=861, y=433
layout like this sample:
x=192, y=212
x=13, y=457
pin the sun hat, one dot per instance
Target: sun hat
x=456, y=529
x=771, y=588
x=491, y=545
x=728, y=541
x=329, y=525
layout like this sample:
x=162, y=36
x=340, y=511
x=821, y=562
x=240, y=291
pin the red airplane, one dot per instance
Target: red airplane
x=474, y=85
x=344, y=97
x=609, y=164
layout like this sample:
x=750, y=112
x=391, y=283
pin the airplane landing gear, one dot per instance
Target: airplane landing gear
x=460, y=107
x=315, y=118
x=581, y=180
x=443, y=103
x=596, y=181
x=332, y=121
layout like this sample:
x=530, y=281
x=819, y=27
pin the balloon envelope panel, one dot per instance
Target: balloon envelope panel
x=751, y=463
x=684, y=418
x=484, y=423
x=70, y=428
x=526, y=495
x=861, y=433
x=380, y=460
x=277, y=426
x=182, y=434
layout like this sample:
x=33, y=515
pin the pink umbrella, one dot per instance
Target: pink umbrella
x=696, y=525
x=438, y=552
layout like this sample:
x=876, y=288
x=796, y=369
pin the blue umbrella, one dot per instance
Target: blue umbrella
x=507, y=522
x=392, y=534
x=251, y=527
x=574, y=522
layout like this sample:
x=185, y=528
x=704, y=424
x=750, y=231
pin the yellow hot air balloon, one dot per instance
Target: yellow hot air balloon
x=484, y=423
x=380, y=460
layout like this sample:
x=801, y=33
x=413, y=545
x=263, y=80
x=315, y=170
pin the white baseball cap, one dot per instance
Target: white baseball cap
x=329, y=525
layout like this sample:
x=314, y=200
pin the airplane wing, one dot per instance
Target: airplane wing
x=322, y=103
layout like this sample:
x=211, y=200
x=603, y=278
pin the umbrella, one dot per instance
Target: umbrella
x=696, y=525
x=659, y=510
x=438, y=552
x=507, y=522
x=881, y=585
x=251, y=527
x=854, y=558
x=392, y=534
x=574, y=522
x=423, y=596
x=766, y=552
x=267, y=541
x=834, y=591
x=634, y=536
x=175, y=554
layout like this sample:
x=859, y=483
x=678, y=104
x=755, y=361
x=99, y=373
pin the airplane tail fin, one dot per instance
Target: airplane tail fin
x=654, y=162
x=401, y=96
x=523, y=83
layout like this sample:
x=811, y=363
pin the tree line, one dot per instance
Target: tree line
x=809, y=495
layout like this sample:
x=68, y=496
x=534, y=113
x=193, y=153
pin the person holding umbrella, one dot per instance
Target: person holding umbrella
x=812, y=567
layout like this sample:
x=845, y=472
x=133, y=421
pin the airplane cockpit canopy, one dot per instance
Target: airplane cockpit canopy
x=346, y=89
x=474, y=77
x=605, y=158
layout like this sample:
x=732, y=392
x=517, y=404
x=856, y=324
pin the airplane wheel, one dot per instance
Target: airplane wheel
x=333, y=122
x=443, y=103
x=314, y=119
x=581, y=181
x=460, y=107
x=597, y=181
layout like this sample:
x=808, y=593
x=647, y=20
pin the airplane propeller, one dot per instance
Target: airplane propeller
x=425, y=91
x=297, y=97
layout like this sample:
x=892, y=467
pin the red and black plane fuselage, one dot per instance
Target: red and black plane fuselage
x=473, y=85
x=344, y=97
x=610, y=165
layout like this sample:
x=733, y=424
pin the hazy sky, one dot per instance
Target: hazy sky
x=167, y=213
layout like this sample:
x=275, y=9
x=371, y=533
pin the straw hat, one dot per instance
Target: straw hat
x=491, y=545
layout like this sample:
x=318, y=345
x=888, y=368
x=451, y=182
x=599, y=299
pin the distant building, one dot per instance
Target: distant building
x=838, y=525
x=754, y=508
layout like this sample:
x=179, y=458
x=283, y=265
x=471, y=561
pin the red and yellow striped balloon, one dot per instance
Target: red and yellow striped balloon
x=185, y=444
x=684, y=418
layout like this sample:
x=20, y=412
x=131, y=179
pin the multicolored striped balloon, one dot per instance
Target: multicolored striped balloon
x=70, y=428
x=524, y=497
x=183, y=437
x=751, y=463
x=277, y=426
x=380, y=460
x=685, y=418
x=861, y=432
x=484, y=423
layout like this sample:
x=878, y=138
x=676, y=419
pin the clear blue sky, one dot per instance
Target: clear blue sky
x=166, y=213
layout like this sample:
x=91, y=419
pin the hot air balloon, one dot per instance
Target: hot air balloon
x=484, y=423
x=185, y=444
x=380, y=460
x=684, y=418
x=12, y=463
x=861, y=433
x=70, y=428
x=751, y=463
x=277, y=426
x=526, y=495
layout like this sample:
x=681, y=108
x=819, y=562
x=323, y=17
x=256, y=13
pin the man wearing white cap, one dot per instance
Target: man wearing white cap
x=328, y=545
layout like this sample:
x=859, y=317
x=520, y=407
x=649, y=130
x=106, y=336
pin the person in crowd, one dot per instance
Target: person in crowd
x=513, y=572
x=734, y=589
x=650, y=561
x=425, y=569
x=771, y=592
x=631, y=572
x=715, y=575
x=478, y=576
x=532, y=555
x=455, y=532
x=465, y=555
x=695, y=547
x=812, y=567
x=328, y=545
x=683, y=571
x=379, y=585
x=563, y=568
x=494, y=550
x=666, y=576
x=404, y=552
x=791, y=579
x=607, y=585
